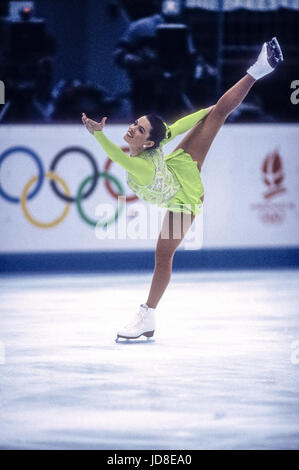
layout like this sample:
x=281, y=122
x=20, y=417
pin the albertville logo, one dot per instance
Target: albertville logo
x=273, y=174
x=271, y=210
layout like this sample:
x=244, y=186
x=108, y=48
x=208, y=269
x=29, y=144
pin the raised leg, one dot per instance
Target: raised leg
x=174, y=228
x=198, y=141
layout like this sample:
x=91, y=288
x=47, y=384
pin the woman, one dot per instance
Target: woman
x=174, y=181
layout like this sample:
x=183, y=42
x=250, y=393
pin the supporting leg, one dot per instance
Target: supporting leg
x=174, y=228
x=198, y=141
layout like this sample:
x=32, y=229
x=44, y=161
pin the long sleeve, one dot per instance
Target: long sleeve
x=183, y=125
x=141, y=170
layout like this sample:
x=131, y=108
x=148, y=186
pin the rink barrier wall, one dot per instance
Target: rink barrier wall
x=250, y=179
x=124, y=261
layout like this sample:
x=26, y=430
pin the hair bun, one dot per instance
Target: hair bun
x=158, y=129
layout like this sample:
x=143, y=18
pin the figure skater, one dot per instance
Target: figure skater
x=174, y=181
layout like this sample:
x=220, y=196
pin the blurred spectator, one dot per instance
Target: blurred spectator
x=29, y=94
x=165, y=70
x=250, y=111
x=72, y=97
x=26, y=58
x=137, y=54
x=136, y=9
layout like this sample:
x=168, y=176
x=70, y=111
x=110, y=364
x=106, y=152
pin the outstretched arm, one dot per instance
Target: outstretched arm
x=141, y=170
x=184, y=124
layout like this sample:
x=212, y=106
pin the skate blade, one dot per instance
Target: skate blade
x=274, y=44
x=134, y=341
x=125, y=339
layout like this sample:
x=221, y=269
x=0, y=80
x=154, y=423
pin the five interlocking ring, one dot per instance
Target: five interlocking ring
x=64, y=194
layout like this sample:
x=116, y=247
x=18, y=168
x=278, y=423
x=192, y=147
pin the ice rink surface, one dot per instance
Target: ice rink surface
x=222, y=373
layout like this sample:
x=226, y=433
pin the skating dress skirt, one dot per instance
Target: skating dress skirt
x=187, y=199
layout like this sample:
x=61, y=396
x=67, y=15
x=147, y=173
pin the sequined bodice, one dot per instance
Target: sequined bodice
x=164, y=184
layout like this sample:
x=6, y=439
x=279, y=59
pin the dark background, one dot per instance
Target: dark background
x=79, y=68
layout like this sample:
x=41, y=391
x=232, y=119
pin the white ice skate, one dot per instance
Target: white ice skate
x=143, y=323
x=268, y=59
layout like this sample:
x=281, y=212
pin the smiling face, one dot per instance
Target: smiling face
x=138, y=136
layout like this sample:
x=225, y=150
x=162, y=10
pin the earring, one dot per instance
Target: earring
x=144, y=146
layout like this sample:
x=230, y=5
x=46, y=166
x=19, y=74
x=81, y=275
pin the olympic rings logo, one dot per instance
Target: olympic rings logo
x=64, y=194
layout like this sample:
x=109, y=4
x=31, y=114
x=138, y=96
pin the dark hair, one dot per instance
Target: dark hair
x=158, y=130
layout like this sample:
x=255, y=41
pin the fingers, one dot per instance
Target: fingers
x=86, y=119
x=87, y=122
x=93, y=125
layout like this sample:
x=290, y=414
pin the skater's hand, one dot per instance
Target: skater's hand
x=91, y=125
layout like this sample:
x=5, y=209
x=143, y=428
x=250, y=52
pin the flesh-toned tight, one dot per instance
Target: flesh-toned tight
x=197, y=143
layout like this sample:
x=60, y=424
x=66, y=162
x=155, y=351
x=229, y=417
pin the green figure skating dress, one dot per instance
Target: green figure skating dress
x=172, y=181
